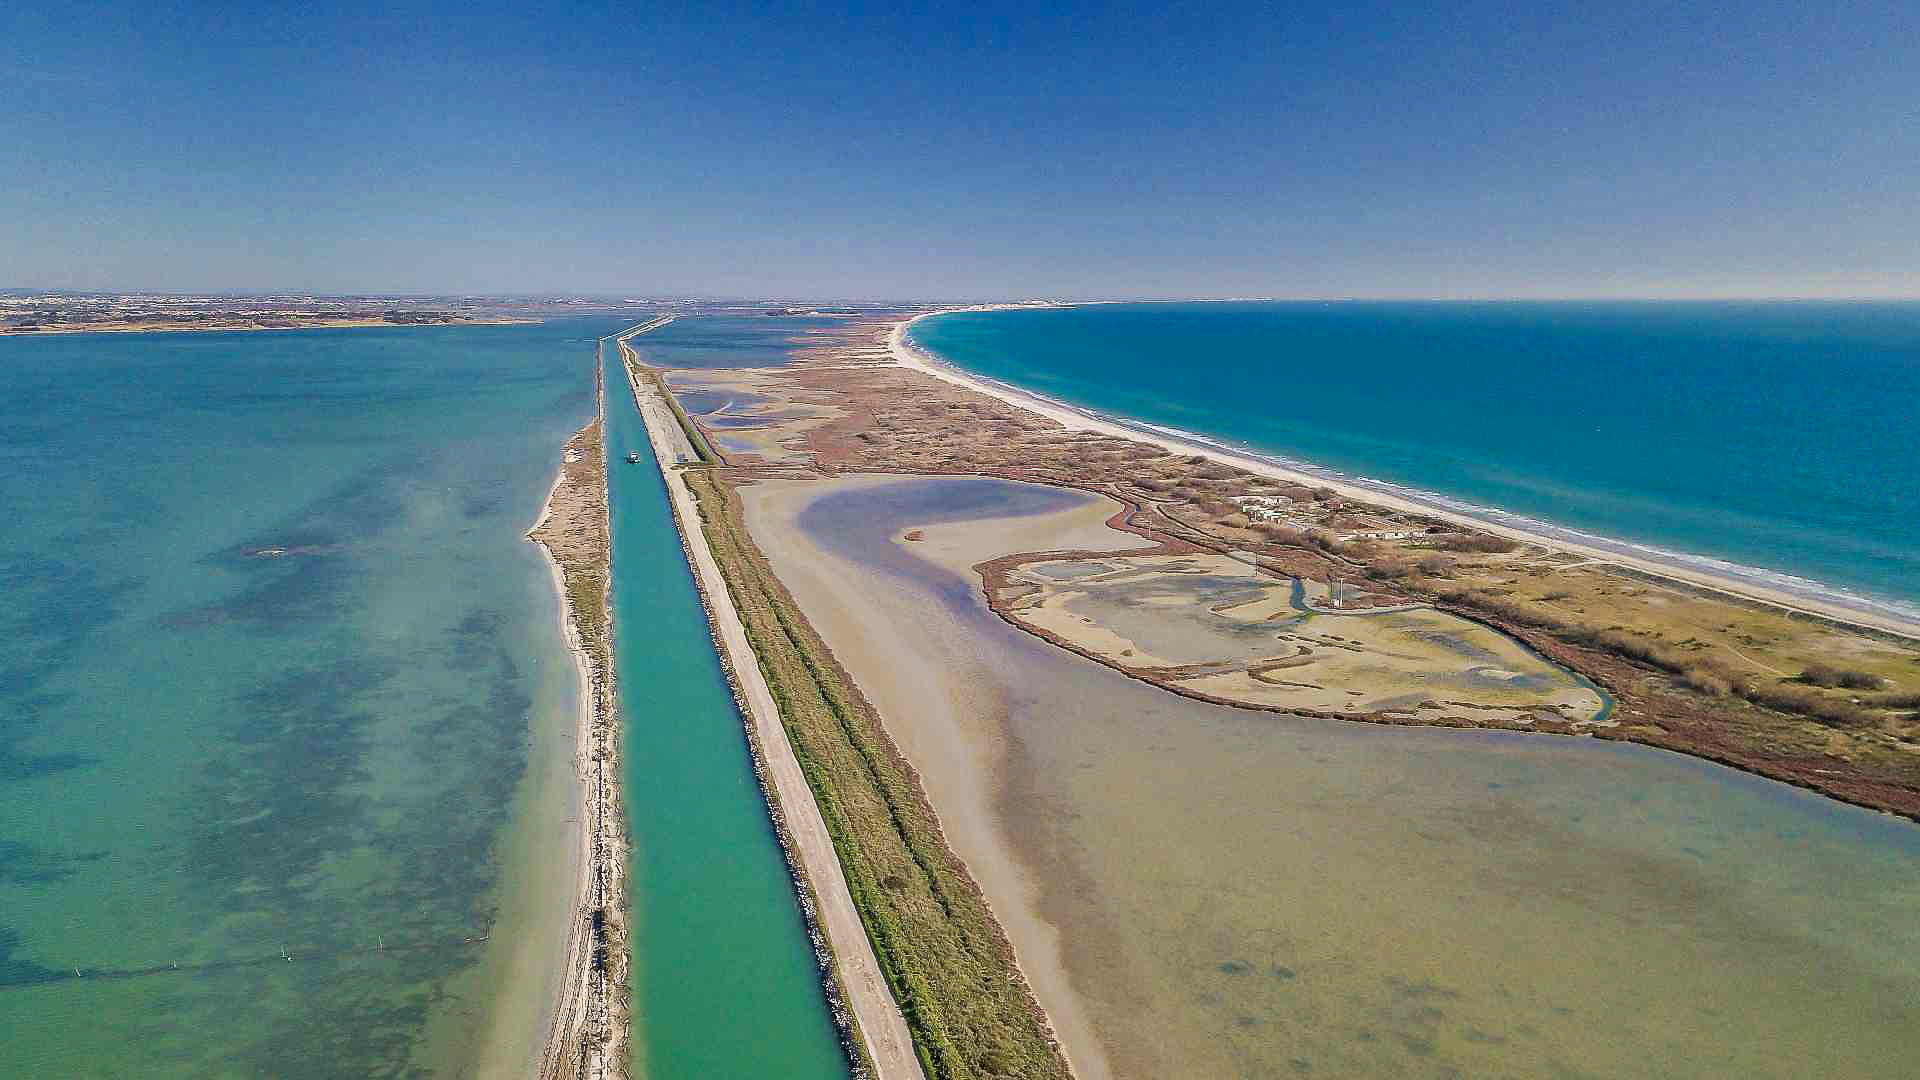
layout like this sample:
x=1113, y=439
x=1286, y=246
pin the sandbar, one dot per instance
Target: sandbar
x=587, y=1035
x=938, y=701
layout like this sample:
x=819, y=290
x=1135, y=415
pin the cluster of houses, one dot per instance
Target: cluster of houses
x=1279, y=509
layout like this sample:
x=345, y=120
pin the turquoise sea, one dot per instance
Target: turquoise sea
x=1772, y=440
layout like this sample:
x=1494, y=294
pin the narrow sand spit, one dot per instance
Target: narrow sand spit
x=934, y=704
x=588, y=1033
x=570, y=1007
x=876, y=1016
x=1072, y=419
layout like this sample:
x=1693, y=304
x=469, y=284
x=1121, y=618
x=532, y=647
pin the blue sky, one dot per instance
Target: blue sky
x=964, y=151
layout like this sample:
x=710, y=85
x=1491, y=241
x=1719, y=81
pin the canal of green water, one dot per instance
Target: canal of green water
x=725, y=982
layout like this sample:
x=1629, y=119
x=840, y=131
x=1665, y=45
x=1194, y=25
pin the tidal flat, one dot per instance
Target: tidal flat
x=1195, y=889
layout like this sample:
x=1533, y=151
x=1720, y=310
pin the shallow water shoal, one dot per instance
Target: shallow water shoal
x=284, y=685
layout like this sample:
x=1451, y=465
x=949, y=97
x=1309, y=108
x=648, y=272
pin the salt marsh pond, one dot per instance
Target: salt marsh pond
x=1213, y=625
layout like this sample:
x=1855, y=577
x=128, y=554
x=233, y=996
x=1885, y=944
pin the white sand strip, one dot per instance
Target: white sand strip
x=1073, y=419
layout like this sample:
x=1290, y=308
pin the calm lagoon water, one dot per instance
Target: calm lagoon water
x=283, y=683
x=727, y=341
x=1777, y=436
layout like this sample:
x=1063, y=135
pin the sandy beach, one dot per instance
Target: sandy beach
x=1721, y=673
x=1190, y=887
x=910, y=356
x=568, y=1012
x=587, y=1033
x=1143, y=853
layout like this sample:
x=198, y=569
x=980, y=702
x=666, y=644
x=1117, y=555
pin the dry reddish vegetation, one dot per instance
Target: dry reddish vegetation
x=1822, y=705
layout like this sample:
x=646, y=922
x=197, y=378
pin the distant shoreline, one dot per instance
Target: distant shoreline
x=317, y=324
x=1605, y=549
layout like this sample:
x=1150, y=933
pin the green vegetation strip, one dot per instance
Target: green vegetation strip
x=1712, y=678
x=948, y=962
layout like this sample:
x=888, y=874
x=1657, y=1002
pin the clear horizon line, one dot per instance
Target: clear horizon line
x=627, y=297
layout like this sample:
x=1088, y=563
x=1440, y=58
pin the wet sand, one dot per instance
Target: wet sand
x=517, y=982
x=1200, y=890
x=938, y=697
